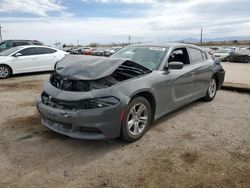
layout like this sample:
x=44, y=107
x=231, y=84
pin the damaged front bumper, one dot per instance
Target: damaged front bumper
x=102, y=123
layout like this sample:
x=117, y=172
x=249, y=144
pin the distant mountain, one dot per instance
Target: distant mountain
x=214, y=39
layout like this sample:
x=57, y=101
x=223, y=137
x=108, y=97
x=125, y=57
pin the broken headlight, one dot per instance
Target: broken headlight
x=100, y=102
x=79, y=105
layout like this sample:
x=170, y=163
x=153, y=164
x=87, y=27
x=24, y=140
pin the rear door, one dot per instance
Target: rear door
x=26, y=62
x=203, y=71
x=46, y=58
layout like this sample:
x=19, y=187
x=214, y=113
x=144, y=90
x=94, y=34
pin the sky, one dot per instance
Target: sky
x=107, y=21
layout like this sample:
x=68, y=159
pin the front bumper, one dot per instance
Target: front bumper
x=91, y=124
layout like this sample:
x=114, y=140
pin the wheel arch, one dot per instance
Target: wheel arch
x=150, y=98
x=11, y=70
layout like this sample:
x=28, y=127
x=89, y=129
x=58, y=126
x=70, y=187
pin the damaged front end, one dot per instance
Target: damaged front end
x=78, y=100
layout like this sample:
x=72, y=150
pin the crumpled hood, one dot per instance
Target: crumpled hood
x=80, y=67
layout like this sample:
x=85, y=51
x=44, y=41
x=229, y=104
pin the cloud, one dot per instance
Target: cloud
x=33, y=7
x=163, y=19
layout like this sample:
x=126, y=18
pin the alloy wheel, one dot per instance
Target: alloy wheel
x=4, y=72
x=137, y=119
x=212, y=88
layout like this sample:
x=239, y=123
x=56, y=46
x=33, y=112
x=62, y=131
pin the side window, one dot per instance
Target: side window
x=196, y=56
x=28, y=52
x=41, y=50
x=180, y=55
x=20, y=43
x=37, y=43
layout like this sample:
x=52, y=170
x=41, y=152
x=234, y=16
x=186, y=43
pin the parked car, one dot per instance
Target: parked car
x=214, y=48
x=92, y=97
x=6, y=44
x=98, y=52
x=208, y=50
x=111, y=51
x=223, y=54
x=24, y=59
x=75, y=51
x=88, y=51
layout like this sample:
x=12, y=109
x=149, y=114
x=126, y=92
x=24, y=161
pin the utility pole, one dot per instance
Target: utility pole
x=1, y=34
x=129, y=39
x=201, y=36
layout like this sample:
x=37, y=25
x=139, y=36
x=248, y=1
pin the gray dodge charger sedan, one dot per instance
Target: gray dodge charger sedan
x=101, y=98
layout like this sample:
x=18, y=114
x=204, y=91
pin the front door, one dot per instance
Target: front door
x=26, y=61
x=182, y=86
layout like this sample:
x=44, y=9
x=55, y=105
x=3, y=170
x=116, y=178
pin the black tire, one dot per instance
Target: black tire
x=211, y=94
x=126, y=132
x=5, y=71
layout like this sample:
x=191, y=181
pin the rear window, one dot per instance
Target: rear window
x=196, y=56
x=41, y=50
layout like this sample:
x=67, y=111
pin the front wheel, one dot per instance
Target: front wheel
x=212, y=90
x=5, y=71
x=136, y=120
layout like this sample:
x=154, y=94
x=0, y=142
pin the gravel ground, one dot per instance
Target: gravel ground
x=200, y=145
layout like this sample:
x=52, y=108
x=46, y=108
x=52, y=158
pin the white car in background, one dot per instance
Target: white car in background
x=222, y=54
x=25, y=59
x=111, y=51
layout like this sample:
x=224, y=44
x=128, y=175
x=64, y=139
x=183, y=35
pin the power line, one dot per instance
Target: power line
x=201, y=35
x=1, y=34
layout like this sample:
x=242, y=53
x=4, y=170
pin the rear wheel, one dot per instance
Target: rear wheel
x=5, y=71
x=212, y=90
x=136, y=120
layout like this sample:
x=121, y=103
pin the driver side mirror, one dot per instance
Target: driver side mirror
x=174, y=65
x=17, y=54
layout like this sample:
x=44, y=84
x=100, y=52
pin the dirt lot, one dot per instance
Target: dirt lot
x=200, y=145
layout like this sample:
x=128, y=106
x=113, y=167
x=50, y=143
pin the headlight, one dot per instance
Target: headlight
x=79, y=105
x=100, y=102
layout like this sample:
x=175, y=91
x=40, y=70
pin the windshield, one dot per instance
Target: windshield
x=9, y=51
x=149, y=57
x=4, y=45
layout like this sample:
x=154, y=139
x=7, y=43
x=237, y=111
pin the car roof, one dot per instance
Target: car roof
x=20, y=40
x=165, y=45
x=35, y=46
